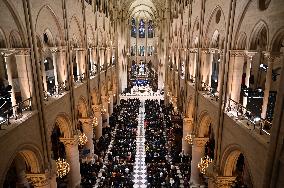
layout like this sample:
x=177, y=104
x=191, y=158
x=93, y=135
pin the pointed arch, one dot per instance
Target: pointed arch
x=260, y=26
x=43, y=23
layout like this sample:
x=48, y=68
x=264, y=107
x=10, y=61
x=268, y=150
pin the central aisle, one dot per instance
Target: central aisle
x=140, y=168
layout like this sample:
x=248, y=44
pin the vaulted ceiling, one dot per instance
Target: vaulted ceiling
x=149, y=9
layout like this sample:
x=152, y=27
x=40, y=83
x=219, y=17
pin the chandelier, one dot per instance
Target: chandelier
x=103, y=110
x=189, y=139
x=204, y=163
x=82, y=139
x=62, y=167
x=95, y=122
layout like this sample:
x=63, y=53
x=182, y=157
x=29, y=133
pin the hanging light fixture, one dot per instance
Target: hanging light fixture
x=95, y=122
x=82, y=139
x=189, y=139
x=204, y=163
x=62, y=167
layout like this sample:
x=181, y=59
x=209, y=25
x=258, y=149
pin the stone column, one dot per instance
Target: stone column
x=10, y=81
x=43, y=71
x=82, y=63
x=198, y=149
x=72, y=157
x=110, y=93
x=210, y=62
x=102, y=58
x=54, y=52
x=248, y=70
x=91, y=60
x=24, y=74
x=187, y=129
x=190, y=64
x=77, y=56
x=220, y=72
x=105, y=115
x=38, y=180
x=98, y=115
x=224, y=181
x=271, y=58
x=62, y=66
x=89, y=132
x=236, y=74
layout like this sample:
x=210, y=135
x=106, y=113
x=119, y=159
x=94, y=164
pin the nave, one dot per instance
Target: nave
x=139, y=150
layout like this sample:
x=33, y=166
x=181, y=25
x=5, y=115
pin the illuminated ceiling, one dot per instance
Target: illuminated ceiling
x=148, y=9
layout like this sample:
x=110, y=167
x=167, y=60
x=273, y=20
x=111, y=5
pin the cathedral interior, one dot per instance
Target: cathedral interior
x=141, y=93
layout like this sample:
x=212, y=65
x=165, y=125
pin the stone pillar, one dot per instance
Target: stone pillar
x=248, y=70
x=110, y=93
x=82, y=63
x=224, y=181
x=206, y=68
x=98, y=115
x=271, y=58
x=190, y=64
x=54, y=52
x=44, y=82
x=91, y=55
x=220, y=72
x=210, y=62
x=198, y=149
x=77, y=56
x=62, y=66
x=10, y=81
x=105, y=104
x=236, y=74
x=194, y=64
x=24, y=74
x=38, y=180
x=72, y=157
x=89, y=132
x=102, y=56
x=187, y=129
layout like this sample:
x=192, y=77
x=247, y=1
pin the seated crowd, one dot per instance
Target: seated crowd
x=117, y=169
x=89, y=170
x=160, y=170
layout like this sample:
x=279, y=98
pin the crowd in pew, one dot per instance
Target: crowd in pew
x=117, y=170
x=160, y=169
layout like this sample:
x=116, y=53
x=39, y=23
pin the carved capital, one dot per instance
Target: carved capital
x=37, y=180
x=272, y=56
x=96, y=108
x=69, y=141
x=237, y=53
x=85, y=120
x=6, y=52
x=57, y=49
x=193, y=50
x=23, y=52
x=187, y=121
x=110, y=93
x=251, y=54
x=224, y=181
x=207, y=51
x=200, y=142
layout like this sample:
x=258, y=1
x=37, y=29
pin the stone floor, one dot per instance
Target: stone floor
x=140, y=168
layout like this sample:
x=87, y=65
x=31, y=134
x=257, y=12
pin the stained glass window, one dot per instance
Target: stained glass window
x=133, y=28
x=150, y=29
x=142, y=29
